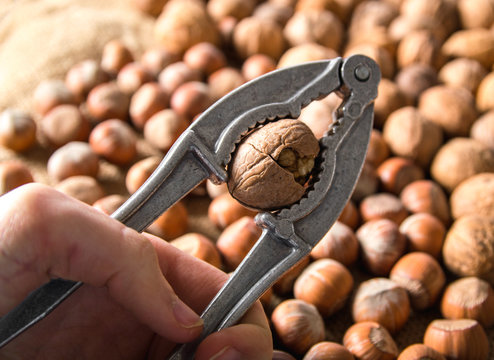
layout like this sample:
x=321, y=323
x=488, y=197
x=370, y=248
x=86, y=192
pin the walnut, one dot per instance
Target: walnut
x=474, y=195
x=389, y=98
x=220, y=9
x=271, y=165
x=403, y=25
x=305, y=52
x=463, y=72
x=477, y=44
x=369, y=15
x=419, y=47
x=341, y=8
x=414, y=79
x=476, y=13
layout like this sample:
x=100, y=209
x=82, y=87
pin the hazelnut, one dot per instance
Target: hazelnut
x=326, y=284
x=110, y=203
x=150, y=7
x=13, y=174
x=198, y=246
x=367, y=183
x=236, y=240
x=381, y=245
x=190, y=99
x=176, y=74
x=115, y=141
x=154, y=60
x=84, y=76
x=469, y=298
x=462, y=72
x=275, y=159
x=284, y=284
x=214, y=190
x=410, y=135
x=424, y=232
x=282, y=355
x=304, y=53
x=74, y=158
x=171, y=224
x=254, y=35
x=17, y=130
x=419, y=46
x=477, y=44
x=474, y=195
x=339, y=243
x=422, y=276
x=383, y=301
x=397, y=172
x=483, y=129
x=383, y=206
x=257, y=65
x=350, y=215
x=426, y=196
x=51, y=93
x=63, y=124
x=298, y=325
x=476, y=13
x=318, y=116
x=149, y=99
x=483, y=99
x=414, y=79
x=419, y=352
x=328, y=350
x=115, y=56
x=468, y=248
x=378, y=150
x=223, y=81
x=462, y=339
x=389, y=99
x=81, y=187
x=205, y=58
x=311, y=26
x=458, y=159
x=164, y=128
x=139, y=173
x=368, y=340
x=451, y=108
x=224, y=210
x=132, y=76
x=107, y=101
x=239, y=9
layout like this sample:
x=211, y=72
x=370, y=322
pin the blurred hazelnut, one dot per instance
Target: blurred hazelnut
x=139, y=173
x=177, y=74
x=198, y=246
x=224, y=210
x=475, y=13
x=223, y=81
x=226, y=27
x=368, y=340
x=17, y=130
x=469, y=298
x=397, y=172
x=84, y=76
x=115, y=56
x=63, y=124
x=367, y=183
x=483, y=129
x=155, y=59
x=284, y=284
x=422, y=276
x=13, y=174
x=419, y=46
x=164, y=128
x=277, y=12
x=318, y=116
x=350, y=215
x=383, y=301
x=150, y=7
x=424, y=232
x=172, y=223
x=378, y=150
x=257, y=65
x=339, y=243
x=383, y=206
x=81, y=187
x=236, y=240
x=298, y=325
x=239, y=9
x=474, y=195
x=419, y=352
x=462, y=339
x=468, y=248
x=114, y=140
x=51, y=93
x=205, y=58
x=414, y=79
x=110, y=203
x=484, y=91
x=132, y=76
x=329, y=351
x=149, y=99
x=462, y=72
x=304, y=53
x=215, y=190
x=389, y=99
x=477, y=44
x=107, y=101
x=381, y=245
x=74, y=158
x=190, y=99
x=282, y=355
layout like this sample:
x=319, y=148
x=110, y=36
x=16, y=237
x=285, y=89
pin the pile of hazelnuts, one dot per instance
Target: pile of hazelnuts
x=407, y=271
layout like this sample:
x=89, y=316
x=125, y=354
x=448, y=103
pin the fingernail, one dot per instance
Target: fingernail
x=227, y=353
x=185, y=315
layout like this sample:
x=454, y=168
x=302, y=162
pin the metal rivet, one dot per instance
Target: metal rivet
x=362, y=73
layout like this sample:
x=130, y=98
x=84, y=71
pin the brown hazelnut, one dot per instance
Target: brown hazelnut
x=164, y=128
x=367, y=183
x=483, y=129
x=383, y=206
x=51, y=93
x=459, y=159
x=326, y=284
x=84, y=76
x=17, y=130
x=236, y=240
x=215, y=190
x=284, y=284
x=419, y=352
x=114, y=140
x=350, y=215
x=304, y=53
x=257, y=65
x=115, y=56
x=422, y=276
x=155, y=59
x=132, y=76
x=139, y=173
x=381, y=245
x=379, y=54
x=424, y=232
x=368, y=340
x=414, y=79
x=205, y=58
x=224, y=210
x=110, y=203
x=177, y=74
x=81, y=187
x=254, y=35
x=419, y=46
x=239, y=9
x=475, y=13
x=468, y=248
x=383, y=301
x=397, y=172
x=298, y=325
x=477, y=44
x=339, y=243
x=149, y=99
x=226, y=27
x=329, y=351
x=74, y=158
x=463, y=72
x=107, y=101
x=462, y=339
x=389, y=99
x=223, y=81
x=190, y=99
x=63, y=124
x=483, y=99
x=13, y=174
x=469, y=298
x=378, y=150
x=282, y=355
x=474, y=195
x=151, y=7
x=410, y=135
x=271, y=164
x=318, y=116
x=198, y=246
x=172, y=223
x=184, y=23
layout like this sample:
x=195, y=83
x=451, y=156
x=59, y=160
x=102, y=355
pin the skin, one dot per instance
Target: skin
x=133, y=284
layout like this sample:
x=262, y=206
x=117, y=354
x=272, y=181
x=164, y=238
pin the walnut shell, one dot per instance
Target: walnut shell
x=369, y=15
x=483, y=129
x=271, y=164
x=419, y=46
x=414, y=79
x=463, y=72
x=341, y=8
x=474, y=195
x=220, y=9
x=475, y=44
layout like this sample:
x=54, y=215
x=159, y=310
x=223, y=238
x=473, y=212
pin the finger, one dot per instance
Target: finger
x=45, y=234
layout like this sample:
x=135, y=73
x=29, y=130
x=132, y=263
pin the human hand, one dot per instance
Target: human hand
x=129, y=306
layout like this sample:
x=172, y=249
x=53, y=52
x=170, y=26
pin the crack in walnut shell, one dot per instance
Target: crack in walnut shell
x=272, y=164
